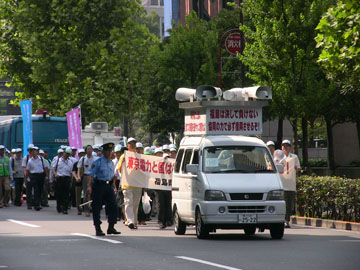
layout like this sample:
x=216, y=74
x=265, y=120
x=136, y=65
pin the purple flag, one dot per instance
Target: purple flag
x=74, y=128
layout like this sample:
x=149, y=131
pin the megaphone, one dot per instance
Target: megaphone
x=207, y=92
x=243, y=94
x=185, y=94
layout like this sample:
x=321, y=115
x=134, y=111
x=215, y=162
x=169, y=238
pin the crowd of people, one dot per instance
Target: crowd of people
x=66, y=178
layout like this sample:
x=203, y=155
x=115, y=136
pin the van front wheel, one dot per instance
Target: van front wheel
x=277, y=231
x=202, y=230
x=180, y=227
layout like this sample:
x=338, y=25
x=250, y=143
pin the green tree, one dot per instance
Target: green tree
x=181, y=61
x=65, y=53
x=339, y=42
x=281, y=53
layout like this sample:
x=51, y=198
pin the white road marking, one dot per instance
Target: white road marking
x=97, y=238
x=4, y=266
x=23, y=223
x=208, y=263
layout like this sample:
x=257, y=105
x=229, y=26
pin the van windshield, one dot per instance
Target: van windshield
x=237, y=159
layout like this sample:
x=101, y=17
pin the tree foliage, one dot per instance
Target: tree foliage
x=65, y=53
x=339, y=42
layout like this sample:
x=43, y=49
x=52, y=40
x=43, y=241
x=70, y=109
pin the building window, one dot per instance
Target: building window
x=161, y=2
x=154, y=2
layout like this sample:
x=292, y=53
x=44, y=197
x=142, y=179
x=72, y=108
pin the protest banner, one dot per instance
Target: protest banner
x=147, y=171
x=74, y=128
x=288, y=177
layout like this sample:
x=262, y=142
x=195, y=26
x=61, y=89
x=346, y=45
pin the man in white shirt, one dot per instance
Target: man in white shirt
x=84, y=166
x=62, y=171
x=290, y=193
x=37, y=171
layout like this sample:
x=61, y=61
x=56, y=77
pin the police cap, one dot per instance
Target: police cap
x=108, y=146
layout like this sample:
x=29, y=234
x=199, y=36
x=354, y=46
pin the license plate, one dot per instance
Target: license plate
x=247, y=218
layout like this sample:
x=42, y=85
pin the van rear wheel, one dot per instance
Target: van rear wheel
x=180, y=227
x=202, y=230
x=277, y=231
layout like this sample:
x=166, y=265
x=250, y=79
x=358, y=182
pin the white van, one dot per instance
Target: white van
x=227, y=182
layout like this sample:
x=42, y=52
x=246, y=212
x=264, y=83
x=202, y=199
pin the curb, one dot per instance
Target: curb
x=325, y=223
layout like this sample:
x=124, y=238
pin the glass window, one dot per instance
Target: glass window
x=195, y=159
x=154, y=2
x=234, y=159
x=45, y=132
x=187, y=159
x=178, y=160
x=161, y=2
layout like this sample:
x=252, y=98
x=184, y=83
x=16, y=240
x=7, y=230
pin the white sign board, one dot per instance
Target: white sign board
x=223, y=121
x=147, y=171
x=288, y=177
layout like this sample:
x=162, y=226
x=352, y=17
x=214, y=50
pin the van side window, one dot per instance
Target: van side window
x=178, y=160
x=195, y=159
x=186, y=161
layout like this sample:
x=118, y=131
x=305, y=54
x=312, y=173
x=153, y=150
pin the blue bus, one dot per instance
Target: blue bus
x=49, y=133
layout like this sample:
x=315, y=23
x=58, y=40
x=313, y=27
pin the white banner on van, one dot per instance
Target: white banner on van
x=147, y=171
x=288, y=177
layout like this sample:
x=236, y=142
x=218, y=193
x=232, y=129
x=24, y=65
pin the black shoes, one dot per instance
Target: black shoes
x=45, y=205
x=99, y=232
x=37, y=208
x=131, y=226
x=111, y=230
x=65, y=212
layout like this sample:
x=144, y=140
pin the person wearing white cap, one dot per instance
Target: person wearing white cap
x=5, y=176
x=147, y=150
x=289, y=190
x=18, y=173
x=153, y=147
x=25, y=161
x=139, y=148
x=132, y=195
x=62, y=172
x=37, y=171
x=166, y=149
x=78, y=182
x=271, y=146
x=84, y=166
x=173, y=153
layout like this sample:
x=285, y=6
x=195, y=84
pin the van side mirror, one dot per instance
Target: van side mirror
x=192, y=168
x=280, y=168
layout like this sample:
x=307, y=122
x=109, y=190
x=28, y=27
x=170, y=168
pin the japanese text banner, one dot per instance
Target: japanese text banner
x=25, y=106
x=288, y=177
x=74, y=128
x=147, y=171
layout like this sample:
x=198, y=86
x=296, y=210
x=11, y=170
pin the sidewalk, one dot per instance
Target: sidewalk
x=325, y=223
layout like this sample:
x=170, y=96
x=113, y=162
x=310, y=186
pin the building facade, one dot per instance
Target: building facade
x=158, y=7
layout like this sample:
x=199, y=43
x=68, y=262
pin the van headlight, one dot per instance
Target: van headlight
x=214, y=195
x=275, y=195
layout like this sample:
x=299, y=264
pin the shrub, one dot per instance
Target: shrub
x=328, y=197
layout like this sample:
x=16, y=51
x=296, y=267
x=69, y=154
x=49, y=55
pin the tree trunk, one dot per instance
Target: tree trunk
x=296, y=136
x=126, y=127
x=330, y=139
x=304, y=127
x=358, y=131
x=279, y=133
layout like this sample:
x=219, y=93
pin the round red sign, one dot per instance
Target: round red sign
x=233, y=43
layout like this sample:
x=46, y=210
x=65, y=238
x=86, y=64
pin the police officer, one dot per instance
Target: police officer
x=102, y=188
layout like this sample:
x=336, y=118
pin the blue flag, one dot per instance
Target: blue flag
x=25, y=106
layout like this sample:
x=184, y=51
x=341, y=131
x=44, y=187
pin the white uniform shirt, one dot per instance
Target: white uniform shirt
x=116, y=172
x=25, y=162
x=64, y=167
x=86, y=163
x=36, y=165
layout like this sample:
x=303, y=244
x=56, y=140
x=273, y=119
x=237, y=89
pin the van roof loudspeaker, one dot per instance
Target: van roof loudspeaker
x=207, y=92
x=243, y=94
x=185, y=94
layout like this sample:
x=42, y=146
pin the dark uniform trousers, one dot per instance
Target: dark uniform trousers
x=165, y=214
x=18, y=190
x=62, y=188
x=37, y=183
x=103, y=193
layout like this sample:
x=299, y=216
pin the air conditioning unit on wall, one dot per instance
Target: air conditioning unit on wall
x=99, y=126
